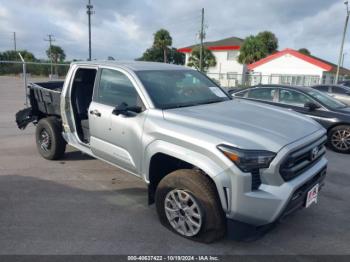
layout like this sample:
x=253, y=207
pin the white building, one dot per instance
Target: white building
x=226, y=51
x=293, y=68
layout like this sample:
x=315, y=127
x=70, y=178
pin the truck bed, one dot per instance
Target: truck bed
x=45, y=97
x=44, y=100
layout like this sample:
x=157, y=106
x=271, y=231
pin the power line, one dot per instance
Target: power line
x=89, y=13
x=50, y=40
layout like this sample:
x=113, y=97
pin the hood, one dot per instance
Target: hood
x=244, y=124
x=345, y=110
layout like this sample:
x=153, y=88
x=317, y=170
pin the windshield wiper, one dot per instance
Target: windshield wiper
x=195, y=104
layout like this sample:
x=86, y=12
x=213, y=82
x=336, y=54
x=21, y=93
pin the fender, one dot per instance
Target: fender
x=209, y=166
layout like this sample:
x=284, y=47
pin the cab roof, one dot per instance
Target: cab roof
x=133, y=65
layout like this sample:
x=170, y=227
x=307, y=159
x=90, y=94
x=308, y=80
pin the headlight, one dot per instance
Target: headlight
x=247, y=160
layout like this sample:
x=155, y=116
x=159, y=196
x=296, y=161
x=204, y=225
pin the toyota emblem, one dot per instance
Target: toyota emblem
x=314, y=153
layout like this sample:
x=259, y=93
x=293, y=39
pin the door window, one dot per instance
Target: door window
x=266, y=94
x=115, y=88
x=291, y=97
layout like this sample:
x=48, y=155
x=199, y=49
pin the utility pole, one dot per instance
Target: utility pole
x=89, y=13
x=342, y=61
x=343, y=39
x=14, y=41
x=50, y=40
x=201, y=35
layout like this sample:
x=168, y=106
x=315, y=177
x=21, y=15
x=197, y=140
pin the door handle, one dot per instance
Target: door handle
x=95, y=112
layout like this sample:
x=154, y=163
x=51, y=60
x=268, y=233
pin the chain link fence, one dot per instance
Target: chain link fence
x=227, y=80
x=33, y=69
x=231, y=80
x=242, y=80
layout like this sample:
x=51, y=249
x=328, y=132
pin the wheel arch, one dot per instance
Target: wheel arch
x=336, y=125
x=162, y=157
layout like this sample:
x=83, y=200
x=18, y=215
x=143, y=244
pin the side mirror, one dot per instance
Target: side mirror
x=311, y=106
x=124, y=109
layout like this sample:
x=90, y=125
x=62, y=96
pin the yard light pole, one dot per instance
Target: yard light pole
x=342, y=43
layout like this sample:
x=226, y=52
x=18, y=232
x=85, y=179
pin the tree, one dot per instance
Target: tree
x=156, y=54
x=304, y=51
x=269, y=40
x=162, y=40
x=252, y=50
x=57, y=54
x=207, y=61
x=257, y=47
x=176, y=57
x=12, y=55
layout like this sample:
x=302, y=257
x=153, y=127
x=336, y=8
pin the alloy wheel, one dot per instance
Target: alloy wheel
x=341, y=139
x=44, y=140
x=183, y=212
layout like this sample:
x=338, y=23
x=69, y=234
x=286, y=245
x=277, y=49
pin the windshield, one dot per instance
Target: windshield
x=326, y=100
x=180, y=88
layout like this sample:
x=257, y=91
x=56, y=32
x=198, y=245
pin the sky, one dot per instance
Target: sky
x=124, y=29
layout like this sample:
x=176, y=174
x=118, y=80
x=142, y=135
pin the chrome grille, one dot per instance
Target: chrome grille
x=302, y=159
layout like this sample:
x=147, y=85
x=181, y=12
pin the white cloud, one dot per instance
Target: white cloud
x=124, y=29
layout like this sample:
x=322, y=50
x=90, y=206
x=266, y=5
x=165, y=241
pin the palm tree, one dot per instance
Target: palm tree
x=207, y=61
x=162, y=40
x=57, y=54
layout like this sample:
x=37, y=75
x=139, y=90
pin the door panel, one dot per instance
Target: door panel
x=116, y=138
x=294, y=100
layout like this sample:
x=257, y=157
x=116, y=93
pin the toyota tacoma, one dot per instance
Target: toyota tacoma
x=213, y=164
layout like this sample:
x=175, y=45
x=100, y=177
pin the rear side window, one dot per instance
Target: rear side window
x=322, y=88
x=338, y=90
x=115, y=88
x=294, y=98
x=240, y=94
x=266, y=94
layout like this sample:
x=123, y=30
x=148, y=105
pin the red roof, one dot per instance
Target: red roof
x=312, y=60
x=230, y=43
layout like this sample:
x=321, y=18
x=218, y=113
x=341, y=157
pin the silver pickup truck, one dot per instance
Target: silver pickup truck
x=213, y=164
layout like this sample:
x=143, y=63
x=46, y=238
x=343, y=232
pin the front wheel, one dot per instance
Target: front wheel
x=187, y=203
x=50, y=143
x=339, y=139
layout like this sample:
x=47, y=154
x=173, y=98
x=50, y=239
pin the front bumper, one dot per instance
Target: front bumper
x=265, y=205
x=273, y=197
x=239, y=230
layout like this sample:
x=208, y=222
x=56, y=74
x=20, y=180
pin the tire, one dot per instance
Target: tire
x=339, y=139
x=49, y=141
x=200, y=192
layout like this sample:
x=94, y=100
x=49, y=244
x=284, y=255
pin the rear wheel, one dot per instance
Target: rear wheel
x=49, y=140
x=339, y=139
x=187, y=203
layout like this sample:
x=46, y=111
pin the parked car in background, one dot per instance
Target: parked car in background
x=329, y=112
x=339, y=92
x=344, y=83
